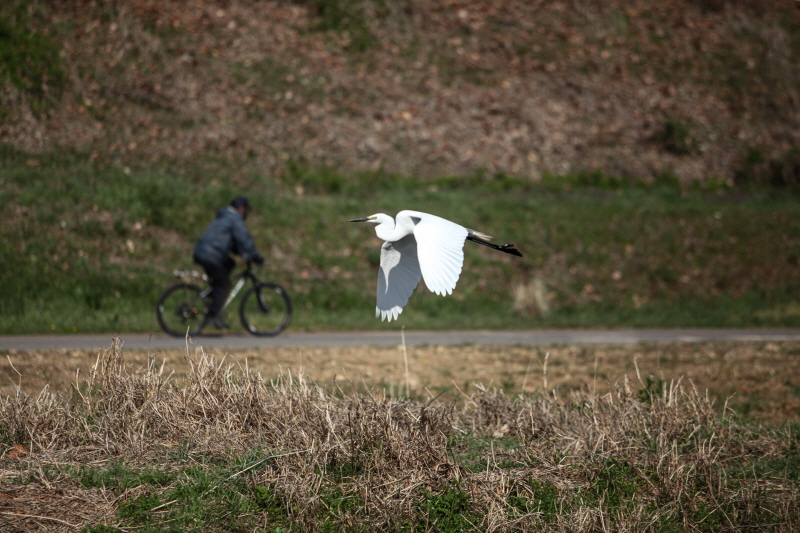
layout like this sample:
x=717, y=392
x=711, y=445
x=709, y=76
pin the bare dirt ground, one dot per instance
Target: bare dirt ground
x=633, y=88
x=759, y=380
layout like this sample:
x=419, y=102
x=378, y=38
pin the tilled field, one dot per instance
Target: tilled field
x=604, y=438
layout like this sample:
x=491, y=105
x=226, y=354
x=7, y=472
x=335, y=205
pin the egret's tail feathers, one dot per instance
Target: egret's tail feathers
x=507, y=248
x=479, y=235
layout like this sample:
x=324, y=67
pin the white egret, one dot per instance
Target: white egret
x=417, y=246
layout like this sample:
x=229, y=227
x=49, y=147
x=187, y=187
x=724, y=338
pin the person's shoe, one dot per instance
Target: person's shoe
x=214, y=322
x=218, y=323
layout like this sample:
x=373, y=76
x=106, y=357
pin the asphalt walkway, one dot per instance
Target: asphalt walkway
x=538, y=337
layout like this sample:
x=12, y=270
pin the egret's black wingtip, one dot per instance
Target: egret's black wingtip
x=509, y=249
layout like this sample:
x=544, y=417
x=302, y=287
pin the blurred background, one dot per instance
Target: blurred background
x=644, y=156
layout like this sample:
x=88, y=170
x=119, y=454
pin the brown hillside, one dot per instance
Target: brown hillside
x=425, y=87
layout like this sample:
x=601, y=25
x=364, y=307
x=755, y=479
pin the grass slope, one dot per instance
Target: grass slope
x=89, y=246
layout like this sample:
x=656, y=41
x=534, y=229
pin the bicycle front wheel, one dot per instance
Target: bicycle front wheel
x=182, y=308
x=265, y=310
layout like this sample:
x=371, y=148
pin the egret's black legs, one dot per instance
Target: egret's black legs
x=507, y=248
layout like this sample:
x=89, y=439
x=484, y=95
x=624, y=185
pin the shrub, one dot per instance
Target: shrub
x=30, y=62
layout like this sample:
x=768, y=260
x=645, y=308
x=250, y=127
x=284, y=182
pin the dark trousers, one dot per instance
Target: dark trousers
x=219, y=274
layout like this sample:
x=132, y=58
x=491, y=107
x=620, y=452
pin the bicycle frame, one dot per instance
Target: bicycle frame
x=237, y=287
x=244, y=275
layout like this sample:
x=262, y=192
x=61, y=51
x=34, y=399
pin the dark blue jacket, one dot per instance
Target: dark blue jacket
x=226, y=235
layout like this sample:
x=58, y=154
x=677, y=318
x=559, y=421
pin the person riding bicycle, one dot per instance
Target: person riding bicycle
x=225, y=236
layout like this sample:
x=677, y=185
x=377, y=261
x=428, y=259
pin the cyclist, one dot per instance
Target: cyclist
x=225, y=236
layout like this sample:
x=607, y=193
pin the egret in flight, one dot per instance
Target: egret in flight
x=419, y=245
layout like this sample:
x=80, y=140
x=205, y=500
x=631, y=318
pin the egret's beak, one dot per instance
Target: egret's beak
x=359, y=219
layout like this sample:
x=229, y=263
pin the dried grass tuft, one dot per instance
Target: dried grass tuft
x=531, y=298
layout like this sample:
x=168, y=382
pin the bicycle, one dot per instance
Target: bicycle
x=265, y=309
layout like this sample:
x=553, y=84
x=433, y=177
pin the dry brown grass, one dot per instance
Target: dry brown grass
x=761, y=380
x=619, y=459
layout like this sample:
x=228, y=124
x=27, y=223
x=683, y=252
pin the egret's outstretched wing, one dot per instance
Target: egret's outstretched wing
x=440, y=249
x=398, y=276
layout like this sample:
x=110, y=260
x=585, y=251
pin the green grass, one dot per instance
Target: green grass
x=201, y=498
x=89, y=246
x=212, y=497
x=207, y=499
x=220, y=497
x=345, y=16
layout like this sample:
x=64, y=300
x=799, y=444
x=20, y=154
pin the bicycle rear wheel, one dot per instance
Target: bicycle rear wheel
x=182, y=308
x=265, y=310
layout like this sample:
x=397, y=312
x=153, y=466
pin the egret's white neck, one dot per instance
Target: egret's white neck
x=385, y=227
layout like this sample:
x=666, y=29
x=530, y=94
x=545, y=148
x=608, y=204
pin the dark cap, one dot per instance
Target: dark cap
x=240, y=201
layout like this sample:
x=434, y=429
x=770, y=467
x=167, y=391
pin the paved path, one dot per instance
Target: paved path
x=390, y=338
